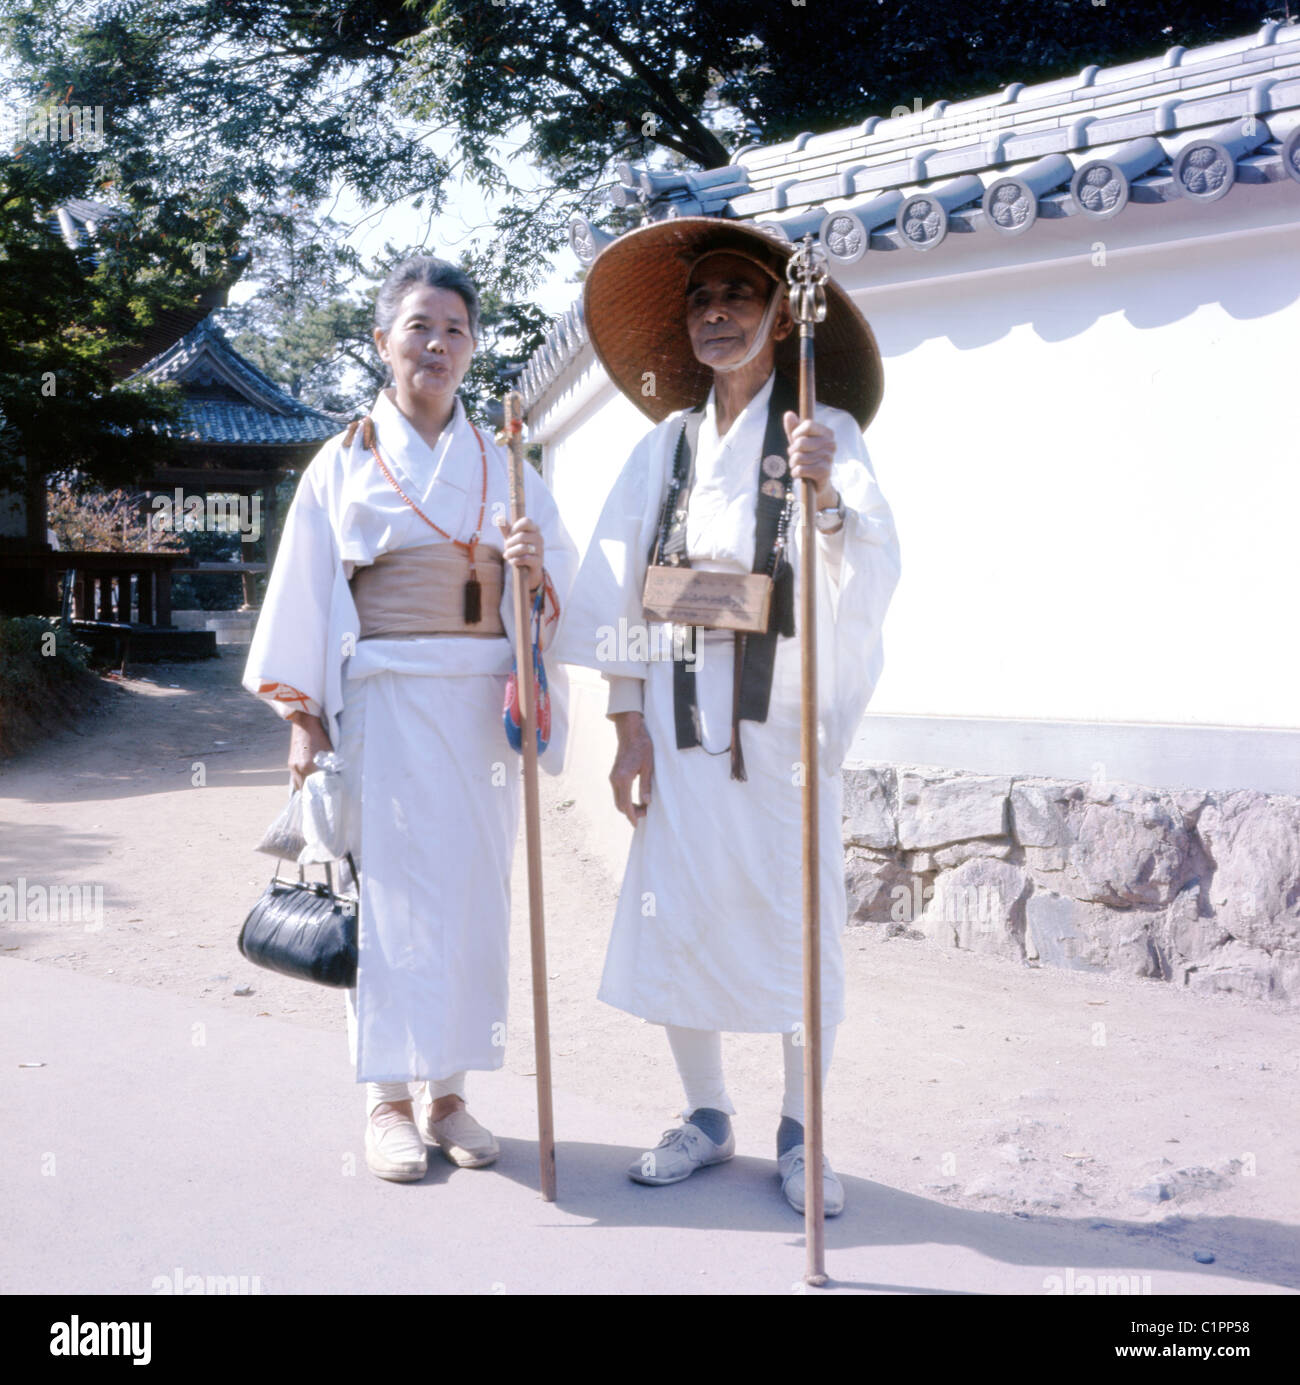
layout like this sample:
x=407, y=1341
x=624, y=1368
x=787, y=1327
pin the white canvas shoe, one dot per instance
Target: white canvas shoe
x=394, y=1149
x=462, y=1139
x=679, y=1154
x=790, y=1170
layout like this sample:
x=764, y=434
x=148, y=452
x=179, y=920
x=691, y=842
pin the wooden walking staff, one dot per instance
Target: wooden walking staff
x=532, y=813
x=806, y=273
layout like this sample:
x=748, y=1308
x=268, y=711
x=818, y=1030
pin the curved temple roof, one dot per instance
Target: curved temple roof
x=1187, y=124
x=228, y=400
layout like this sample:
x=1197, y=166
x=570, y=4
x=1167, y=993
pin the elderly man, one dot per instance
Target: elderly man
x=691, y=320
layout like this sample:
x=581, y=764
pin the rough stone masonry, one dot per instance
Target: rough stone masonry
x=1195, y=887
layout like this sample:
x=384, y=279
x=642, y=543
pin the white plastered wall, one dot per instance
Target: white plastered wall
x=1095, y=471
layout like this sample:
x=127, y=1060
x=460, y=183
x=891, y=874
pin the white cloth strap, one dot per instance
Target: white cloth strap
x=760, y=336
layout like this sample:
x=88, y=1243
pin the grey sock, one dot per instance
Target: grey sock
x=788, y=1134
x=715, y=1124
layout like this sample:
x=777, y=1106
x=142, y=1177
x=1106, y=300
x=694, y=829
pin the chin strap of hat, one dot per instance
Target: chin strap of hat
x=760, y=336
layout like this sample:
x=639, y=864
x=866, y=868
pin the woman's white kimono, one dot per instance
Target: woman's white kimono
x=431, y=780
x=708, y=929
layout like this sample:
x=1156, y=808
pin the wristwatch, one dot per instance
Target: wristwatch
x=829, y=520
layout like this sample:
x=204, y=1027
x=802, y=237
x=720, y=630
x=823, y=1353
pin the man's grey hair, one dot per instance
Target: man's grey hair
x=431, y=273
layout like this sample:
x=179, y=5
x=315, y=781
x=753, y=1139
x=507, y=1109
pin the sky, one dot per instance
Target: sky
x=448, y=233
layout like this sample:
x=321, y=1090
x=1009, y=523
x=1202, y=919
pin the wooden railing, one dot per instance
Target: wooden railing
x=103, y=588
x=102, y=583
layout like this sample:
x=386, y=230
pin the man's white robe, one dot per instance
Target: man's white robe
x=708, y=929
x=431, y=779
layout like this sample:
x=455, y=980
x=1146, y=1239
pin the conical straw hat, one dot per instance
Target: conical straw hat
x=634, y=303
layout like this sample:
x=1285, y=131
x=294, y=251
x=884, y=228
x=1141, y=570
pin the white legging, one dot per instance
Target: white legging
x=379, y=1092
x=698, y=1055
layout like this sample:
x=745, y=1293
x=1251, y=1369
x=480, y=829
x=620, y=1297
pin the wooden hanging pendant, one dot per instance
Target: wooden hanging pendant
x=473, y=595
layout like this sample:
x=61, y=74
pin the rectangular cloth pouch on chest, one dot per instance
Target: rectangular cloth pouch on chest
x=756, y=607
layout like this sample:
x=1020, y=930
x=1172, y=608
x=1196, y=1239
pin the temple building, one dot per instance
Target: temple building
x=238, y=437
x=240, y=434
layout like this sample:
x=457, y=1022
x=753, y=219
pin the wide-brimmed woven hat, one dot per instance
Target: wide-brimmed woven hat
x=634, y=301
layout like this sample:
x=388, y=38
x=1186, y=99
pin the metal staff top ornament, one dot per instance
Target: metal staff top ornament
x=806, y=273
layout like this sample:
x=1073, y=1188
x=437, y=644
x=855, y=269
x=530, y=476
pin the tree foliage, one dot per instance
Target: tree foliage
x=70, y=313
x=302, y=327
x=45, y=680
x=100, y=521
x=65, y=318
x=245, y=102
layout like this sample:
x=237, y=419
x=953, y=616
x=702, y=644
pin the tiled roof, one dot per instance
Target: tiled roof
x=216, y=421
x=1185, y=125
x=228, y=400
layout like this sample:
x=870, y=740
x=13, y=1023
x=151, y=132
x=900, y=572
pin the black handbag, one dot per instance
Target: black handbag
x=303, y=929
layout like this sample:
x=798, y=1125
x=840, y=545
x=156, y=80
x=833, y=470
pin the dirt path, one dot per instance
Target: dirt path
x=967, y=1079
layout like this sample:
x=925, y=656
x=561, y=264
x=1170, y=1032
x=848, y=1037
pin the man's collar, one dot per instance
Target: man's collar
x=757, y=406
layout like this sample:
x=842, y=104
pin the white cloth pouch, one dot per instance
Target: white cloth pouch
x=326, y=812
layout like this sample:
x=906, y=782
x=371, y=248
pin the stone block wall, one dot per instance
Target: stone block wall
x=1198, y=888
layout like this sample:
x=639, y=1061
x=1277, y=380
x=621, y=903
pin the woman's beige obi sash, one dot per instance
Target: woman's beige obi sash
x=421, y=591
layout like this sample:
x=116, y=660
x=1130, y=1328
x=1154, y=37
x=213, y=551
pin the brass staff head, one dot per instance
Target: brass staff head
x=806, y=274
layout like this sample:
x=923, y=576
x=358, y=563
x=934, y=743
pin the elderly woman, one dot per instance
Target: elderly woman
x=387, y=633
x=690, y=318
